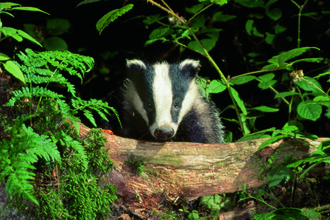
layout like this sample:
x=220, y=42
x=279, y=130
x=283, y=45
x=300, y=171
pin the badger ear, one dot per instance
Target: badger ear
x=190, y=67
x=136, y=65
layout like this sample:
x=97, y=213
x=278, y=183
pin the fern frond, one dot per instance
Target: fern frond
x=74, y=64
x=36, y=92
x=69, y=142
x=99, y=106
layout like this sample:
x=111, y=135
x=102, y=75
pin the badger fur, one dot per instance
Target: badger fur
x=162, y=102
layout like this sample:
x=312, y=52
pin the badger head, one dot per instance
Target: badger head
x=162, y=94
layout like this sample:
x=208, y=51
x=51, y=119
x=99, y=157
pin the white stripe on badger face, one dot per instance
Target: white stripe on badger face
x=162, y=92
x=189, y=100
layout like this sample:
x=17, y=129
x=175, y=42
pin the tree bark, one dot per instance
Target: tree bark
x=189, y=170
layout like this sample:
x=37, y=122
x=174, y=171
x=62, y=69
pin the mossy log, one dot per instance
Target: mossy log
x=177, y=170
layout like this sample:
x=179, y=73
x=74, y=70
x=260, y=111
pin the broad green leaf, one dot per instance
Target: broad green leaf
x=29, y=9
x=269, y=38
x=111, y=16
x=158, y=32
x=242, y=79
x=4, y=57
x=238, y=100
x=284, y=94
x=220, y=2
x=28, y=37
x=12, y=68
x=55, y=43
x=249, y=26
x=211, y=202
x=208, y=44
x=283, y=57
x=195, y=8
x=271, y=141
x=209, y=29
x=18, y=34
x=322, y=100
x=251, y=3
x=322, y=74
x=311, y=214
x=217, y=17
x=264, y=109
x=312, y=60
x=7, y=5
x=279, y=29
x=267, y=77
x=307, y=85
x=216, y=86
x=256, y=33
x=228, y=137
x=256, y=135
x=279, y=173
x=309, y=110
x=198, y=21
x=153, y=40
x=57, y=26
x=298, y=124
x=274, y=14
x=152, y=19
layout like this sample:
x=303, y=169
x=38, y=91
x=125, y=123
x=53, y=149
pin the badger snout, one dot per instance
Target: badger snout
x=164, y=133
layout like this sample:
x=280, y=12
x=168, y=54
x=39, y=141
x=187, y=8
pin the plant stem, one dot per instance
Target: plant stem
x=200, y=11
x=299, y=18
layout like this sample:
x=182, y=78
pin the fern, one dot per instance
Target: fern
x=19, y=153
x=61, y=60
x=96, y=105
x=36, y=92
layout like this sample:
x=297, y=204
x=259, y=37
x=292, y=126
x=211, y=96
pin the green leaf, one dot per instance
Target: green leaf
x=305, y=84
x=87, y=2
x=269, y=38
x=158, y=32
x=284, y=94
x=312, y=60
x=4, y=57
x=264, y=109
x=242, y=79
x=256, y=135
x=228, y=137
x=55, y=43
x=208, y=44
x=217, y=17
x=274, y=14
x=111, y=16
x=298, y=124
x=198, y=21
x=7, y=5
x=209, y=29
x=29, y=9
x=238, y=100
x=12, y=68
x=57, y=26
x=195, y=8
x=152, y=19
x=322, y=100
x=278, y=61
x=220, y=2
x=18, y=34
x=216, y=86
x=267, y=77
x=256, y=33
x=211, y=202
x=279, y=173
x=309, y=110
x=322, y=74
x=271, y=141
x=279, y=29
x=153, y=40
x=249, y=26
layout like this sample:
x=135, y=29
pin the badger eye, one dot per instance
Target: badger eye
x=148, y=106
x=176, y=104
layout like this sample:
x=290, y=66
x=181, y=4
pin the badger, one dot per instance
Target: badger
x=162, y=102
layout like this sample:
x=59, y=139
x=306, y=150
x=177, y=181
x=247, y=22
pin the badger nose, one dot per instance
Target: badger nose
x=164, y=133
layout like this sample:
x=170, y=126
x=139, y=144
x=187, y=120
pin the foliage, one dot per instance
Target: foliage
x=19, y=153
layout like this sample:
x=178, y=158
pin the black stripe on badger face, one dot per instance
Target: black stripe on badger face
x=163, y=94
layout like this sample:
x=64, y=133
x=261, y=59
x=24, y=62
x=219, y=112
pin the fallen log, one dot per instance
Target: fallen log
x=189, y=170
